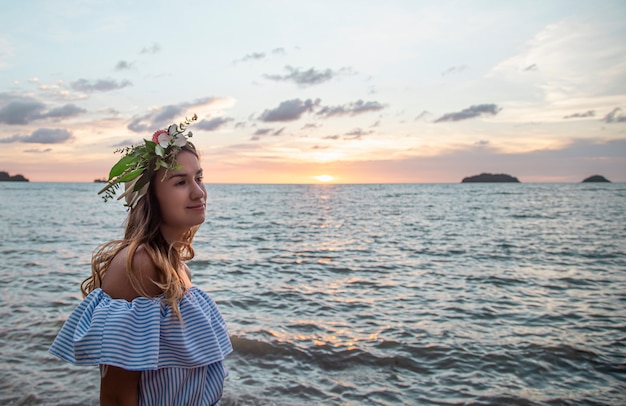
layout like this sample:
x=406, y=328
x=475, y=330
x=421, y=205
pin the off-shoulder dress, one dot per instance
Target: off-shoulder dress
x=181, y=361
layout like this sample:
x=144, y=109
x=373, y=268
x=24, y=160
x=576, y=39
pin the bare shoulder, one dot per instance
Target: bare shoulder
x=116, y=283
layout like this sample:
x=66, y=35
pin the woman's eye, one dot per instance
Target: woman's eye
x=182, y=182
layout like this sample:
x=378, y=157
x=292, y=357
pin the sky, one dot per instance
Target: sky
x=288, y=91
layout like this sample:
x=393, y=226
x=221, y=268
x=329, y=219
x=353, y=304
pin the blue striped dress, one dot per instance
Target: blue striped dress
x=181, y=363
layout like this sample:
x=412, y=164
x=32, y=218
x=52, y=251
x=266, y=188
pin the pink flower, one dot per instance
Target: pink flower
x=155, y=137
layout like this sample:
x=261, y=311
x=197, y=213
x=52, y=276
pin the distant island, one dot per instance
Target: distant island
x=596, y=178
x=490, y=178
x=100, y=180
x=5, y=177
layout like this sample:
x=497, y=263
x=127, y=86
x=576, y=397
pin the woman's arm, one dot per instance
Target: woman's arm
x=118, y=387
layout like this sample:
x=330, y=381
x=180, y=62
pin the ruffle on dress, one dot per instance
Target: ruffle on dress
x=143, y=334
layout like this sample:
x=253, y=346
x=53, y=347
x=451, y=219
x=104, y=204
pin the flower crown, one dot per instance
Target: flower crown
x=136, y=167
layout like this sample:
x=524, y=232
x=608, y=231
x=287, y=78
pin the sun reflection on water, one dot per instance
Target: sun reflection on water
x=343, y=338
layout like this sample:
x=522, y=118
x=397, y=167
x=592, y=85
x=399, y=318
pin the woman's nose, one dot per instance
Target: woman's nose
x=198, y=190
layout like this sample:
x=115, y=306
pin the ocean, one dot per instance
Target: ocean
x=446, y=294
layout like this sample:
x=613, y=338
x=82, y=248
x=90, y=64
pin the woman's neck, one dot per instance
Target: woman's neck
x=172, y=235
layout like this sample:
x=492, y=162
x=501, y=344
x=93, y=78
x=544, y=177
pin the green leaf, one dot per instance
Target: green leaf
x=122, y=165
x=159, y=150
x=150, y=146
x=130, y=175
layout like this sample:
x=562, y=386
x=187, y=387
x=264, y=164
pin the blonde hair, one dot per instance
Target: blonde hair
x=143, y=229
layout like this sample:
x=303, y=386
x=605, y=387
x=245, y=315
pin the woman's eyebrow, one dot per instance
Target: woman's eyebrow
x=184, y=174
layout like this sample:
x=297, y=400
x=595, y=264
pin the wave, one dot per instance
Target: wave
x=324, y=356
x=537, y=360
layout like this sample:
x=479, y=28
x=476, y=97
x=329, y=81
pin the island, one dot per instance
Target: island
x=596, y=178
x=5, y=177
x=490, y=178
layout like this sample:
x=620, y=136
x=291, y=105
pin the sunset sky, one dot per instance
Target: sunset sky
x=287, y=91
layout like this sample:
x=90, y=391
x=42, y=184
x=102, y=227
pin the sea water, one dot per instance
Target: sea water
x=474, y=294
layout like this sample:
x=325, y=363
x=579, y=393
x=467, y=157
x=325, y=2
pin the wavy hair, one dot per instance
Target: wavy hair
x=143, y=229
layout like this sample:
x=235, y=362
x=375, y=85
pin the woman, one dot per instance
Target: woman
x=158, y=339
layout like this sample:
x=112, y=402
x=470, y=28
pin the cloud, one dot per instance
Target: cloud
x=252, y=57
x=41, y=136
x=123, y=65
x=555, y=64
x=123, y=143
x=255, y=56
x=213, y=124
x=589, y=113
x=423, y=116
x=263, y=131
x=69, y=110
x=37, y=150
x=454, y=69
x=54, y=87
x=110, y=111
x=351, y=109
x=21, y=111
x=307, y=77
x=101, y=85
x=152, y=49
x=531, y=67
x=161, y=117
x=168, y=113
x=266, y=131
x=470, y=112
x=615, y=116
x=289, y=110
x=356, y=134
x=303, y=77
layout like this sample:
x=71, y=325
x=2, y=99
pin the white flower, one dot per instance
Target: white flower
x=164, y=139
x=180, y=140
x=173, y=130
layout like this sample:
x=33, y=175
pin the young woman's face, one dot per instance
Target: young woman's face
x=181, y=195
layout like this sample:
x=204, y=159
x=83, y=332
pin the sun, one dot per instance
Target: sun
x=324, y=178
